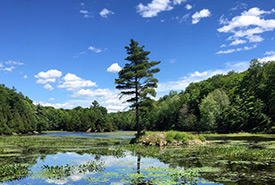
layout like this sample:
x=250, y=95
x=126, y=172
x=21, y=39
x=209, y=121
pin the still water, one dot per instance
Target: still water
x=128, y=169
x=87, y=134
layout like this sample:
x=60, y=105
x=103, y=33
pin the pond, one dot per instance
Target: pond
x=127, y=169
x=90, y=134
x=47, y=159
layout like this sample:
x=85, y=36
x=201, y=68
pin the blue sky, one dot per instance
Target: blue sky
x=67, y=53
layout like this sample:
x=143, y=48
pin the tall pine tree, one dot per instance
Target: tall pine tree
x=136, y=79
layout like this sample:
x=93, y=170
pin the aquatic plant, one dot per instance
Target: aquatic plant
x=63, y=171
x=14, y=172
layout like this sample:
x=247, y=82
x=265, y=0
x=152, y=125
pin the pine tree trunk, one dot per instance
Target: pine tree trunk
x=137, y=111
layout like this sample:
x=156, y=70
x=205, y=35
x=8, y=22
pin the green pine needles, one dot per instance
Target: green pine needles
x=136, y=79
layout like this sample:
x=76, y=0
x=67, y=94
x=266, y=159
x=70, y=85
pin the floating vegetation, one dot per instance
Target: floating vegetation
x=63, y=171
x=14, y=172
x=226, y=159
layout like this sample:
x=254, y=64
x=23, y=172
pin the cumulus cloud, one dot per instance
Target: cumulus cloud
x=55, y=105
x=94, y=49
x=188, y=7
x=92, y=93
x=156, y=6
x=270, y=56
x=48, y=76
x=114, y=68
x=196, y=17
x=105, y=13
x=248, y=25
x=25, y=76
x=71, y=82
x=245, y=48
x=197, y=76
x=48, y=87
x=106, y=97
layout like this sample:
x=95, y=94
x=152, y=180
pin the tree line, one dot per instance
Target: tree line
x=18, y=114
x=235, y=102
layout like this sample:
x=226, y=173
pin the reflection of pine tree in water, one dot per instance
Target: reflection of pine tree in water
x=138, y=164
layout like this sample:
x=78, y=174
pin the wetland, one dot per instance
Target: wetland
x=69, y=159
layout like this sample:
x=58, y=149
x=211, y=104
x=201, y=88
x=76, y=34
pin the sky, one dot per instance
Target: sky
x=67, y=53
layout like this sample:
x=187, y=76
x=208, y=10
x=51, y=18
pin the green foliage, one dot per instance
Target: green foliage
x=235, y=102
x=136, y=78
x=211, y=108
x=14, y=172
x=202, y=138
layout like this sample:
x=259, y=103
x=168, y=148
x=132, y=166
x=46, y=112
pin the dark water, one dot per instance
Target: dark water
x=87, y=134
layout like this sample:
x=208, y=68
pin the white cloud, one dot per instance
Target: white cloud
x=183, y=18
x=10, y=62
x=183, y=82
x=9, y=65
x=270, y=56
x=55, y=105
x=106, y=97
x=172, y=60
x=196, y=17
x=188, y=7
x=114, y=68
x=198, y=74
x=48, y=87
x=53, y=73
x=94, y=49
x=245, y=48
x=51, y=99
x=222, y=20
x=92, y=93
x=71, y=82
x=223, y=46
x=84, y=11
x=255, y=38
x=156, y=6
x=226, y=51
x=105, y=12
x=25, y=76
x=176, y=2
x=237, y=42
x=48, y=76
x=248, y=24
x=9, y=69
x=239, y=6
x=270, y=53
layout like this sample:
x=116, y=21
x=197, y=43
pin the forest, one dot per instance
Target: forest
x=230, y=103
